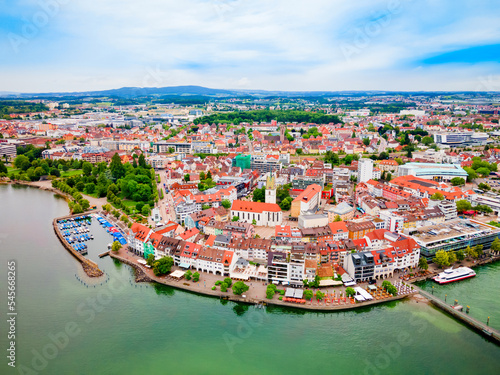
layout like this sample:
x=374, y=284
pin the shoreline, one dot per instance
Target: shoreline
x=144, y=276
x=141, y=275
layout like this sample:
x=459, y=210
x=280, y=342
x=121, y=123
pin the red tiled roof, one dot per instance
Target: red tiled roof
x=254, y=206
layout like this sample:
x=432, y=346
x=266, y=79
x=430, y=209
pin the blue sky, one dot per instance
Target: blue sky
x=75, y=45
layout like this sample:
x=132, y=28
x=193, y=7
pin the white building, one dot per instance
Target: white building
x=449, y=209
x=365, y=170
x=264, y=214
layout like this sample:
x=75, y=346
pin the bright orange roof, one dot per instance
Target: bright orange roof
x=254, y=206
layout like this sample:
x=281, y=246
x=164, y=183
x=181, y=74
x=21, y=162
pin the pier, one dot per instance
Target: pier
x=481, y=327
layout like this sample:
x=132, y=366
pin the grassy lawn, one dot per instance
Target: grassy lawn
x=128, y=203
x=71, y=173
x=12, y=169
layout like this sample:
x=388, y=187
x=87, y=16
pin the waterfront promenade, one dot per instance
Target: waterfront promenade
x=255, y=295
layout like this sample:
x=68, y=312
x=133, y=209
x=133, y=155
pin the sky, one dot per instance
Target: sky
x=324, y=45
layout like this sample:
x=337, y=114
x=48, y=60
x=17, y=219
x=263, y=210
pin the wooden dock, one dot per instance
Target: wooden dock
x=102, y=255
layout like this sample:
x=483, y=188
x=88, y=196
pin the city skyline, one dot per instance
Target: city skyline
x=58, y=45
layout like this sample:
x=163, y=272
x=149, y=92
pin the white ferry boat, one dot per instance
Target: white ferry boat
x=451, y=275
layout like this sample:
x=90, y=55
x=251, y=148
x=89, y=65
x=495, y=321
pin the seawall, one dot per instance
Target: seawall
x=254, y=301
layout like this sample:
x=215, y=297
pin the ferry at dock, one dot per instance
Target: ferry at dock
x=450, y=275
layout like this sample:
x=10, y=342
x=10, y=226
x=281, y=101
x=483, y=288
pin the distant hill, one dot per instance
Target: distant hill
x=132, y=92
x=187, y=91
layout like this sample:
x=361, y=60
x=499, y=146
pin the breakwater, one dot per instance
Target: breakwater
x=90, y=267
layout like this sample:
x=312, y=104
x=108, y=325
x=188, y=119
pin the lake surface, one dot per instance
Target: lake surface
x=481, y=293
x=66, y=327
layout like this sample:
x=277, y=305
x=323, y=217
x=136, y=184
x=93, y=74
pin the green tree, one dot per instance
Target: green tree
x=235, y=218
x=90, y=188
x=320, y=295
x=223, y=287
x=228, y=282
x=463, y=205
x=349, y=292
x=196, y=277
x=240, y=287
x=259, y=195
x=457, y=181
x=483, y=171
x=427, y=140
x=87, y=168
x=270, y=291
x=150, y=260
x=205, y=207
x=470, y=252
x=226, y=204
x=80, y=185
x=22, y=162
x=142, y=161
x=145, y=210
x=116, y=246
x=116, y=167
x=85, y=204
x=55, y=172
x=437, y=196
x=366, y=141
x=452, y=257
x=478, y=249
x=442, y=258
x=188, y=275
x=337, y=218
x=460, y=255
x=484, y=186
x=315, y=283
x=422, y=264
x=286, y=204
x=495, y=245
x=471, y=174
x=186, y=177
x=308, y=294
x=77, y=209
x=3, y=168
x=163, y=266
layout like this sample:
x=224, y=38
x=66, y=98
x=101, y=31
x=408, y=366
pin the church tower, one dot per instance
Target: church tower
x=282, y=133
x=271, y=189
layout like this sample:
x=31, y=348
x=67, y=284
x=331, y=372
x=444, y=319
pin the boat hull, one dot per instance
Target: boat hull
x=451, y=281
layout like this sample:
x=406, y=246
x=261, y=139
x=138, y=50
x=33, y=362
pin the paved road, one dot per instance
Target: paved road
x=166, y=204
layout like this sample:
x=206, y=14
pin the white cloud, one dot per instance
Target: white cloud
x=281, y=44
